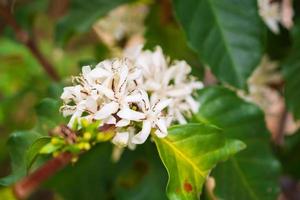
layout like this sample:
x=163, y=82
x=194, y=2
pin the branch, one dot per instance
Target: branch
x=23, y=37
x=24, y=188
x=29, y=184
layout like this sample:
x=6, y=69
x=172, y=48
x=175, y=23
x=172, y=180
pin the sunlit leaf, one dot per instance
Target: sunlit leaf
x=189, y=153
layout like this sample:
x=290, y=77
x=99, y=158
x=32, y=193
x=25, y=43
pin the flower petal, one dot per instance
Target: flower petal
x=122, y=123
x=121, y=139
x=74, y=117
x=127, y=113
x=142, y=136
x=71, y=92
x=160, y=134
x=110, y=120
x=91, y=104
x=123, y=73
x=145, y=100
x=107, y=110
x=178, y=92
x=194, y=105
x=133, y=98
x=85, y=70
x=133, y=52
x=67, y=110
x=134, y=74
x=162, y=126
x=161, y=105
x=179, y=117
x=106, y=91
x=99, y=72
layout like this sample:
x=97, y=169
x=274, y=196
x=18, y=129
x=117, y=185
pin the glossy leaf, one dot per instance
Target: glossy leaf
x=189, y=152
x=227, y=34
x=254, y=172
x=82, y=15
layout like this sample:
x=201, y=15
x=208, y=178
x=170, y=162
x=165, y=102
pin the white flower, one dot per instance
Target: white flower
x=137, y=95
x=117, y=89
x=151, y=116
x=101, y=92
x=123, y=139
x=166, y=82
x=270, y=13
x=81, y=102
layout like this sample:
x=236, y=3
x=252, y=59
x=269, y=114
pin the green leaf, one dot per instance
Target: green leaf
x=189, y=152
x=289, y=156
x=227, y=34
x=18, y=143
x=253, y=173
x=34, y=150
x=82, y=15
x=49, y=108
x=291, y=70
x=49, y=116
x=138, y=175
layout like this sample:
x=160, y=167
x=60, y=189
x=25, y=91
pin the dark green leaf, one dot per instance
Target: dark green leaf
x=289, y=155
x=49, y=116
x=139, y=175
x=291, y=70
x=189, y=152
x=48, y=108
x=253, y=173
x=227, y=34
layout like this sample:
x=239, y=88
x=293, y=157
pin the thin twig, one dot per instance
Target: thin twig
x=25, y=187
x=23, y=37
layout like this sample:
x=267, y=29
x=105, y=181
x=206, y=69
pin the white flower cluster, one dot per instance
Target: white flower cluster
x=137, y=94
